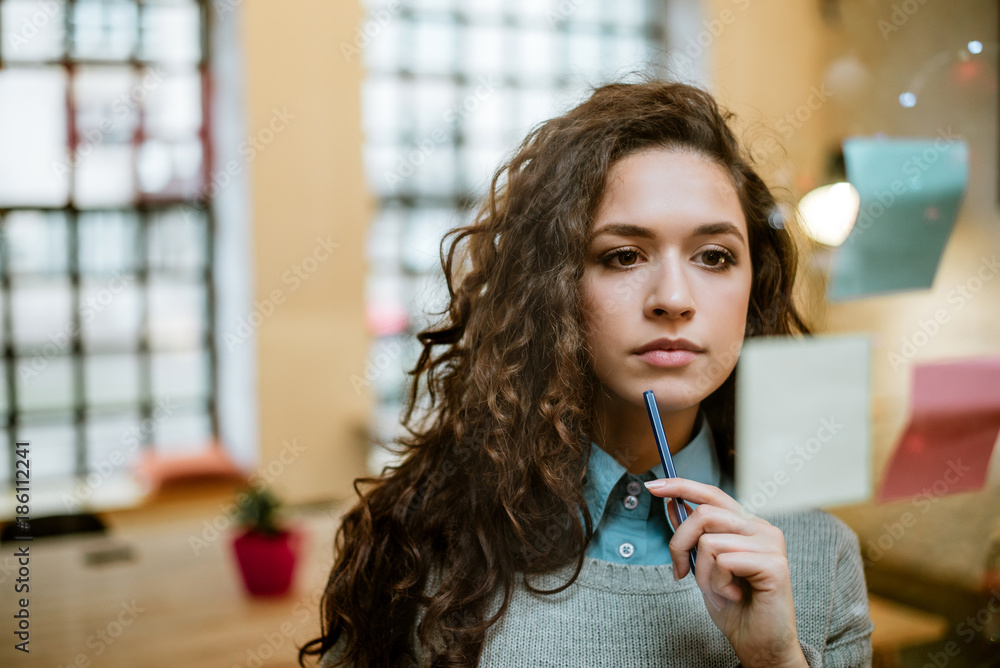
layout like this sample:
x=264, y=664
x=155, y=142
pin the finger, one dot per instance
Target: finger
x=704, y=575
x=709, y=519
x=690, y=490
x=763, y=572
x=722, y=582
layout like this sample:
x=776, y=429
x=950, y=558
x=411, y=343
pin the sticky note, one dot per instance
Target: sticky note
x=951, y=432
x=910, y=191
x=803, y=422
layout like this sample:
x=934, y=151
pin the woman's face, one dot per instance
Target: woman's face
x=668, y=257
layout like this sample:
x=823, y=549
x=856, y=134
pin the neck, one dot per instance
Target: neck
x=624, y=432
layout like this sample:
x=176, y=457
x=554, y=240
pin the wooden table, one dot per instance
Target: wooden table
x=166, y=606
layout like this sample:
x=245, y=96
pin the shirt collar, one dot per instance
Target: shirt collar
x=696, y=461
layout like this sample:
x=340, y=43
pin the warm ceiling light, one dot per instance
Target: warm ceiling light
x=828, y=212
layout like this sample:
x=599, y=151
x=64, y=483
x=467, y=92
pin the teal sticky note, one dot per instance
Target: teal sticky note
x=911, y=191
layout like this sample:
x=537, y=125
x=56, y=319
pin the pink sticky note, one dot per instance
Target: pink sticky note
x=954, y=422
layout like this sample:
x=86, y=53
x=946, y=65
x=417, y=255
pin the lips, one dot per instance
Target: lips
x=668, y=345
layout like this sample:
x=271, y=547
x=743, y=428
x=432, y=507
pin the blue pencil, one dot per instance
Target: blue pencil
x=665, y=459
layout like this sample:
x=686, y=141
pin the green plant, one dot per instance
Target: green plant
x=257, y=511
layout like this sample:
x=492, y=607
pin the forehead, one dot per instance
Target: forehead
x=670, y=190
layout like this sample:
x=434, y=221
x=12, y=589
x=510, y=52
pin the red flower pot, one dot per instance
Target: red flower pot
x=267, y=563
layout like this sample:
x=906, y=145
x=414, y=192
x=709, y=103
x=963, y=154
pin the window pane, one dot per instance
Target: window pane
x=37, y=241
x=5, y=472
x=41, y=308
x=33, y=30
x=173, y=108
x=184, y=432
x=45, y=382
x=180, y=376
x=52, y=446
x=107, y=108
x=171, y=168
x=104, y=177
x=381, y=53
x=435, y=47
x=112, y=379
x=177, y=314
x=177, y=240
x=110, y=312
x=108, y=242
x=4, y=399
x=33, y=164
x=103, y=29
x=536, y=50
x=422, y=239
x=171, y=32
x=114, y=441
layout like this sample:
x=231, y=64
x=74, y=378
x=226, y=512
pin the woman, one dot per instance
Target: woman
x=627, y=246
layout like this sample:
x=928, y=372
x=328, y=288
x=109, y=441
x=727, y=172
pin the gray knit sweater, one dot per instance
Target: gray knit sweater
x=634, y=616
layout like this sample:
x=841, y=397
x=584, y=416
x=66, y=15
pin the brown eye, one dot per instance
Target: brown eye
x=632, y=255
x=713, y=257
x=718, y=259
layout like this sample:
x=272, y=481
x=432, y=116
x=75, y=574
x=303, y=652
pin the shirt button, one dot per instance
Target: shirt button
x=631, y=502
x=626, y=550
x=633, y=488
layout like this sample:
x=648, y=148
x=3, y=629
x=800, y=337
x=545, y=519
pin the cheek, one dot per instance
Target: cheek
x=601, y=305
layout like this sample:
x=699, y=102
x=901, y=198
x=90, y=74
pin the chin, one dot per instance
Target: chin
x=671, y=395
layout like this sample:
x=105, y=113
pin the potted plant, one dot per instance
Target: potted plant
x=265, y=550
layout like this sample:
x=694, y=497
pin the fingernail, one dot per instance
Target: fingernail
x=654, y=485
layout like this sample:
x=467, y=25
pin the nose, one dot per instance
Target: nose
x=669, y=291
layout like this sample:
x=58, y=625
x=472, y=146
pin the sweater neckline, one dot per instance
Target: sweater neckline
x=617, y=578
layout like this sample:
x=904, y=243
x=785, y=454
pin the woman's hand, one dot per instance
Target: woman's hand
x=742, y=571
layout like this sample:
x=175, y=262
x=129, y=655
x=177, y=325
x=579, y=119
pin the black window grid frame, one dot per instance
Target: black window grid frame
x=143, y=209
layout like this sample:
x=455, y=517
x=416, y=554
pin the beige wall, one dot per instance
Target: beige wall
x=763, y=64
x=308, y=184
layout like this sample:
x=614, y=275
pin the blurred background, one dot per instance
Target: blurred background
x=219, y=232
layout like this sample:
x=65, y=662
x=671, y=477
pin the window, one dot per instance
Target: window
x=451, y=88
x=106, y=279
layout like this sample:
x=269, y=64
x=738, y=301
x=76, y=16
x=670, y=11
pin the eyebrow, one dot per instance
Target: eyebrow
x=704, y=230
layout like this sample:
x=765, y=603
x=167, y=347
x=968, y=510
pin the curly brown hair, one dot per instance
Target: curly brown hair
x=490, y=485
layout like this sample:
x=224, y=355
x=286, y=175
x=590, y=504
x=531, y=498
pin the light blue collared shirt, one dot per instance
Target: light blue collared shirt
x=632, y=528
